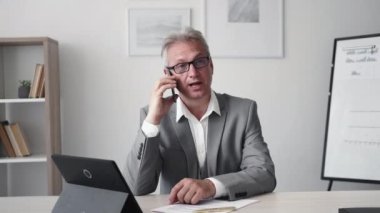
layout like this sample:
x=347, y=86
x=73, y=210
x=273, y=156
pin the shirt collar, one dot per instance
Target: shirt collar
x=213, y=106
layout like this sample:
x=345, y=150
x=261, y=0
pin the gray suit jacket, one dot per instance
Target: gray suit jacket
x=236, y=152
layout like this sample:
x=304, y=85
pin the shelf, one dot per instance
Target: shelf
x=39, y=117
x=22, y=41
x=27, y=159
x=23, y=100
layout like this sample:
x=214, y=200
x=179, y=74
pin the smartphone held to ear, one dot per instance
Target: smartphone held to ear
x=172, y=89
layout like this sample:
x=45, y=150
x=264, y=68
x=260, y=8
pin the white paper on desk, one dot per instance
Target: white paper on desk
x=187, y=208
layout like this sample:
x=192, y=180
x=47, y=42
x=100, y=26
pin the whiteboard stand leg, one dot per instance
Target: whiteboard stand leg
x=330, y=185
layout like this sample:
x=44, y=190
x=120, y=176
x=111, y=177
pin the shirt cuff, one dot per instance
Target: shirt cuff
x=220, y=189
x=150, y=130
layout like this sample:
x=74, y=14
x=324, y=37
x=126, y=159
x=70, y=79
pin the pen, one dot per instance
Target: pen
x=220, y=210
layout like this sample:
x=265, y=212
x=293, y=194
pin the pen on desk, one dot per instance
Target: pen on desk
x=220, y=210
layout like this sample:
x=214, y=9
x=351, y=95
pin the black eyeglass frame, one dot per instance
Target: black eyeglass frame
x=172, y=68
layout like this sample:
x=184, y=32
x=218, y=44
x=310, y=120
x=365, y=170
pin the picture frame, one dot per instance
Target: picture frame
x=148, y=27
x=250, y=28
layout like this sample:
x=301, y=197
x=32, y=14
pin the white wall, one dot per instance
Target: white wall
x=102, y=88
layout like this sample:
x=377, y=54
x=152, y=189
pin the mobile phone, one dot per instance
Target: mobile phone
x=172, y=89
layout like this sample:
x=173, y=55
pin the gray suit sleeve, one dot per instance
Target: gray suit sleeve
x=256, y=175
x=143, y=162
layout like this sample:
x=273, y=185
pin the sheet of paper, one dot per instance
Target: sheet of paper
x=186, y=208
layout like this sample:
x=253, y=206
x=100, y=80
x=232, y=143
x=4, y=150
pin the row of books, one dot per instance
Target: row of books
x=13, y=140
x=37, y=88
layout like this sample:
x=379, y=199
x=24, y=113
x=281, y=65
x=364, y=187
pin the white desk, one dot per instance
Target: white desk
x=284, y=202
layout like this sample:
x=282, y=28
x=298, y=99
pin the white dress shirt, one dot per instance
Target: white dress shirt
x=199, y=130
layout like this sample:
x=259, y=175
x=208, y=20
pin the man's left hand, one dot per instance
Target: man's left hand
x=192, y=191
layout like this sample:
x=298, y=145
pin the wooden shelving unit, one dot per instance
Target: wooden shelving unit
x=39, y=118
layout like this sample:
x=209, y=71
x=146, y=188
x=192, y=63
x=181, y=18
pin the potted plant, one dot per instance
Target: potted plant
x=24, y=88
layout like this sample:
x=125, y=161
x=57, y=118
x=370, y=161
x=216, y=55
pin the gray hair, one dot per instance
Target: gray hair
x=188, y=34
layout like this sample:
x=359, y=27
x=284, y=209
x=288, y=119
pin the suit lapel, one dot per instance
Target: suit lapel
x=214, y=137
x=185, y=138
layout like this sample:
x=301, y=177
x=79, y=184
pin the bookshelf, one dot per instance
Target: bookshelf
x=38, y=117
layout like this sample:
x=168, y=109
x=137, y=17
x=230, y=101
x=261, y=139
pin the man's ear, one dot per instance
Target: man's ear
x=166, y=71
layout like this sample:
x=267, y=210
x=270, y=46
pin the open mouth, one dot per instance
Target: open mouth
x=194, y=84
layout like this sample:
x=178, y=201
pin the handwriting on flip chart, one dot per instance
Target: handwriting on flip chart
x=362, y=61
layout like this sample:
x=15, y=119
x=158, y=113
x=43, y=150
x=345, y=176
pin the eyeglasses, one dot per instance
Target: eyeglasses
x=184, y=67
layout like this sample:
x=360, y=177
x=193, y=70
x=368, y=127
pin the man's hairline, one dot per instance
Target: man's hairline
x=164, y=51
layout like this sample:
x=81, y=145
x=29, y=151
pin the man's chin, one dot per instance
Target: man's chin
x=197, y=95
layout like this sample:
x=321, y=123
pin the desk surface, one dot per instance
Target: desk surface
x=294, y=202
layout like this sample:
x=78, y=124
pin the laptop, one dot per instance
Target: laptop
x=93, y=186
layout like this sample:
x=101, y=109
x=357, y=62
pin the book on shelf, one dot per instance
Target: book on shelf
x=37, y=81
x=41, y=85
x=17, y=139
x=12, y=138
x=5, y=140
x=20, y=139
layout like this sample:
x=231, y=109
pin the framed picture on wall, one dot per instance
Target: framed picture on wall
x=148, y=27
x=244, y=28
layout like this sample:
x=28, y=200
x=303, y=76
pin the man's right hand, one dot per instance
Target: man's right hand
x=158, y=105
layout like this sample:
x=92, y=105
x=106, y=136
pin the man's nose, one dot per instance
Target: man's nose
x=192, y=70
